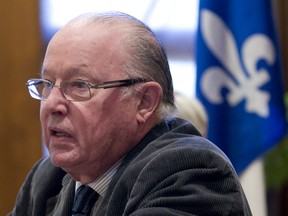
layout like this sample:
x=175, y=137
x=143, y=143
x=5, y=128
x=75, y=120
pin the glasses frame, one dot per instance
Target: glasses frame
x=104, y=85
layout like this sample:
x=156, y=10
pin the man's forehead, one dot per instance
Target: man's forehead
x=92, y=31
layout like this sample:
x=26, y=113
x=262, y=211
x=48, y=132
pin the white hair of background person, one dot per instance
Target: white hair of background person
x=192, y=110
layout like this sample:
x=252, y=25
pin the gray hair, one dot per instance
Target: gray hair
x=145, y=57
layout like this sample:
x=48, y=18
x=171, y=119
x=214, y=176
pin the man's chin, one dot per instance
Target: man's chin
x=62, y=160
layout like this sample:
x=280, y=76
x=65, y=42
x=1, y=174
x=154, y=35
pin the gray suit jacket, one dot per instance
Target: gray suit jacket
x=172, y=171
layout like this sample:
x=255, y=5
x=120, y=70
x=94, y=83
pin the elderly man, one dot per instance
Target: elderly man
x=106, y=96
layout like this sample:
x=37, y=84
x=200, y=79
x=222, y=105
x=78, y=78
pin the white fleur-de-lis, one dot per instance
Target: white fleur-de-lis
x=241, y=84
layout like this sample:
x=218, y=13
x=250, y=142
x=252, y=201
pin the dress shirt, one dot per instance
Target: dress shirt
x=101, y=183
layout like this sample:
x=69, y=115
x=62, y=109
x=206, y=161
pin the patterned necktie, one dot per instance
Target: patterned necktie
x=84, y=199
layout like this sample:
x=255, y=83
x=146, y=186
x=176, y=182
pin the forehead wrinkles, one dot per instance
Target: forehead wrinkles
x=73, y=70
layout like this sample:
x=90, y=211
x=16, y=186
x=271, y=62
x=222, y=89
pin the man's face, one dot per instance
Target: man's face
x=87, y=136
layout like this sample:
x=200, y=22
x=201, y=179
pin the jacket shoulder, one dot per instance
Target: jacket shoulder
x=43, y=181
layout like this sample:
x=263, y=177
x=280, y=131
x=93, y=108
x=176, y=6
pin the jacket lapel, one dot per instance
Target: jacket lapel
x=62, y=203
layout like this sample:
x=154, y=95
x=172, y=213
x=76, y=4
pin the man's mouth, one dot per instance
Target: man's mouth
x=59, y=133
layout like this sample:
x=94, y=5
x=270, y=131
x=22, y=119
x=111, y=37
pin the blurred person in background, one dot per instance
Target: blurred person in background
x=192, y=110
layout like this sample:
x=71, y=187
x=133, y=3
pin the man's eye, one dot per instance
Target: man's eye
x=46, y=84
x=79, y=84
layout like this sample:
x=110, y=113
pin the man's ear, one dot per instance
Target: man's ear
x=150, y=98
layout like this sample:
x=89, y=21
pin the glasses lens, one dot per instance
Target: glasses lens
x=39, y=89
x=76, y=90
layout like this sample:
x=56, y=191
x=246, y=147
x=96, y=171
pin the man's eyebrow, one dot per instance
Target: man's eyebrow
x=81, y=69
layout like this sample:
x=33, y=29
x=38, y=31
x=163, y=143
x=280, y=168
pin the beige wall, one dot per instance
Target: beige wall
x=20, y=54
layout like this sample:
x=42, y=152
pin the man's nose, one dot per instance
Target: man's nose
x=56, y=102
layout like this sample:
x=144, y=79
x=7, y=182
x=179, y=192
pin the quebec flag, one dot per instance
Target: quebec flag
x=239, y=77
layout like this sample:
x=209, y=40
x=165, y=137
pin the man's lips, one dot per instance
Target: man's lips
x=60, y=139
x=57, y=132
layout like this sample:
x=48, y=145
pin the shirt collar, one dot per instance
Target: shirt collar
x=101, y=183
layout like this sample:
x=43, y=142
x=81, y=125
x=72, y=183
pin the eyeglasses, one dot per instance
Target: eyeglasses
x=77, y=90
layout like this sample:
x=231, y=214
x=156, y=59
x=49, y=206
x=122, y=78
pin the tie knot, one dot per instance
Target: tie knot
x=84, y=199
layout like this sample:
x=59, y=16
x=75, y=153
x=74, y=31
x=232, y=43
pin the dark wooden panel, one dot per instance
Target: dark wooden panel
x=20, y=133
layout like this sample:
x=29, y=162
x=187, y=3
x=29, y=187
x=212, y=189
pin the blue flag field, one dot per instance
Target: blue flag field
x=239, y=77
